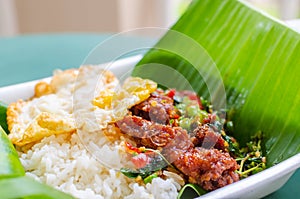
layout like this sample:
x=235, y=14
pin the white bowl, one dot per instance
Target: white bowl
x=256, y=186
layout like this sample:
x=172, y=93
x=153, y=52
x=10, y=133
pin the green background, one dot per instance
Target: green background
x=31, y=57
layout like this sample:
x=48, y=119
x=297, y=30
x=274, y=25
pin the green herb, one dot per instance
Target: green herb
x=203, y=114
x=191, y=114
x=185, y=123
x=251, y=158
x=146, y=176
x=193, y=110
x=233, y=147
x=197, y=191
x=172, y=121
x=206, y=105
x=181, y=108
x=149, y=178
x=130, y=173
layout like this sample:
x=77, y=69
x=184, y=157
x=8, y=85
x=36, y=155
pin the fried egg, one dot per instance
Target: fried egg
x=50, y=110
x=85, y=99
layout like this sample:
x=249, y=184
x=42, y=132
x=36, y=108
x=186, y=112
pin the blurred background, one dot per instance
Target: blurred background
x=47, y=16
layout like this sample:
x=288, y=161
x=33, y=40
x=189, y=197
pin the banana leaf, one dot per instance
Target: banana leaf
x=251, y=58
x=3, y=121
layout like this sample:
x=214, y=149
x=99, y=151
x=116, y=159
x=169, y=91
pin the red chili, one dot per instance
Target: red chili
x=132, y=148
x=171, y=93
x=140, y=161
x=175, y=116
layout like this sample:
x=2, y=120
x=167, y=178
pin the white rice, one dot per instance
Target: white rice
x=64, y=163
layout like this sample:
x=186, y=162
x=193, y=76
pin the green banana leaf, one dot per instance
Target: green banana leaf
x=252, y=57
x=3, y=122
x=26, y=187
x=14, y=183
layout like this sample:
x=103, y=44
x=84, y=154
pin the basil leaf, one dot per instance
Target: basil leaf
x=190, y=191
x=129, y=172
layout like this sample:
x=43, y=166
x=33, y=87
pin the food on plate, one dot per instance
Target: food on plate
x=185, y=135
x=150, y=142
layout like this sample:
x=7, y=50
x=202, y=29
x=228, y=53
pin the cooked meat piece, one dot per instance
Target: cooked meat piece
x=158, y=108
x=209, y=168
x=210, y=118
x=153, y=135
x=206, y=137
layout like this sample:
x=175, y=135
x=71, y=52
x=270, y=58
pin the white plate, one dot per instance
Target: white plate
x=255, y=186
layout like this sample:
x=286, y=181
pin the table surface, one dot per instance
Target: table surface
x=32, y=57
